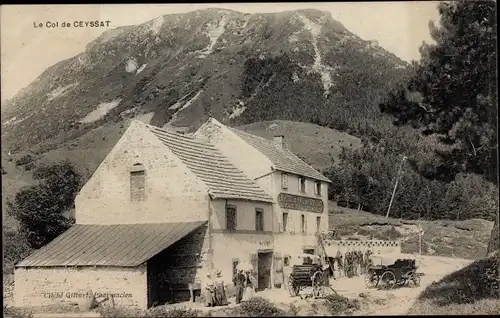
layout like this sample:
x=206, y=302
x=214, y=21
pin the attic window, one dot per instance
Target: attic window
x=137, y=183
x=284, y=181
x=318, y=188
x=302, y=184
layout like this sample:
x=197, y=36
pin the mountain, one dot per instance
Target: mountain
x=178, y=69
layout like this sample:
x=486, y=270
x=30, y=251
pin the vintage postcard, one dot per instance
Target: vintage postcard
x=263, y=159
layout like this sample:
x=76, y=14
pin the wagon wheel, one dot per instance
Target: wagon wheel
x=318, y=281
x=292, y=288
x=414, y=280
x=371, y=279
x=388, y=280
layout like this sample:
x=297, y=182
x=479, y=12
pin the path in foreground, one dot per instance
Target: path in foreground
x=398, y=301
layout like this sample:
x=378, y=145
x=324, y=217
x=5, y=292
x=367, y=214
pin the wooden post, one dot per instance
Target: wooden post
x=395, y=186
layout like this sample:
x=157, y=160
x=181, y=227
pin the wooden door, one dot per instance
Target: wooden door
x=254, y=262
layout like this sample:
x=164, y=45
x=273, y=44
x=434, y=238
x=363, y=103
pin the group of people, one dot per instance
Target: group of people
x=245, y=287
x=354, y=263
x=215, y=288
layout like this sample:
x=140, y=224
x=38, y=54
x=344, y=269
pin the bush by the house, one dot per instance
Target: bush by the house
x=259, y=307
x=40, y=208
x=16, y=248
x=340, y=305
x=174, y=312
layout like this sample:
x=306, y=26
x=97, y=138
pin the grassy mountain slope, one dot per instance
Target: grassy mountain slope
x=466, y=239
x=179, y=68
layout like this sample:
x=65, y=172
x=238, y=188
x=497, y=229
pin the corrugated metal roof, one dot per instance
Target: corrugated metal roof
x=123, y=245
x=282, y=159
x=222, y=178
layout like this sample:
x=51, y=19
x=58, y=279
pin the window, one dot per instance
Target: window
x=285, y=221
x=302, y=223
x=137, y=185
x=259, y=220
x=231, y=217
x=318, y=224
x=302, y=184
x=318, y=188
x=284, y=181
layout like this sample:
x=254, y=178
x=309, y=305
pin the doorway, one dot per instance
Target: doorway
x=265, y=261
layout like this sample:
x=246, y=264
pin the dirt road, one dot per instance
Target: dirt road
x=400, y=300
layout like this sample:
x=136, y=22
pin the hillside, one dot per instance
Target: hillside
x=176, y=70
x=316, y=145
x=472, y=290
x=466, y=239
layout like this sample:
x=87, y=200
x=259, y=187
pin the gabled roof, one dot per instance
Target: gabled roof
x=222, y=178
x=282, y=159
x=123, y=245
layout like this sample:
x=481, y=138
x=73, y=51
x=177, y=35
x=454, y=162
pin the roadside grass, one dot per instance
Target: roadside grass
x=472, y=290
x=255, y=307
x=466, y=239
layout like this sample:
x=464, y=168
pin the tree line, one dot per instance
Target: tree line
x=444, y=119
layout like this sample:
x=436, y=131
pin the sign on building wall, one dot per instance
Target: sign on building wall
x=297, y=202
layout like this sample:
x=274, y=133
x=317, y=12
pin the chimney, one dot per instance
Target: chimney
x=279, y=141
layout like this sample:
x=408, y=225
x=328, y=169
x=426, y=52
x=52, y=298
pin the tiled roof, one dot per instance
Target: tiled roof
x=282, y=159
x=124, y=245
x=222, y=178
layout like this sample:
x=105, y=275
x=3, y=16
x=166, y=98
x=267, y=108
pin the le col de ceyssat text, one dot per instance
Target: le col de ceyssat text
x=72, y=24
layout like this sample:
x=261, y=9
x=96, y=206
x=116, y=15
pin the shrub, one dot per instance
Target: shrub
x=118, y=312
x=16, y=249
x=40, y=208
x=24, y=160
x=338, y=305
x=174, y=312
x=260, y=307
x=11, y=312
x=479, y=280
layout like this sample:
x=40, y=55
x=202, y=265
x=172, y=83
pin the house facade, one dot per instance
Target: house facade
x=299, y=192
x=150, y=224
x=164, y=209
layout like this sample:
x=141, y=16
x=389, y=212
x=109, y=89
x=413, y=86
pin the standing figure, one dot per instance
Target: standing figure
x=220, y=289
x=239, y=283
x=249, y=287
x=209, y=291
x=340, y=263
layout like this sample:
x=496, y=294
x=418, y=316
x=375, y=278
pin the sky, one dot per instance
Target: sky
x=26, y=51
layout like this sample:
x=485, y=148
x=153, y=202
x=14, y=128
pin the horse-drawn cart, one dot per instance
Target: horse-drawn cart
x=402, y=273
x=309, y=275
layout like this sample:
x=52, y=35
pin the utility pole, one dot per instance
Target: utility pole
x=395, y=186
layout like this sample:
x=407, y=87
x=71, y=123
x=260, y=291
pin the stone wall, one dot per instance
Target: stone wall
x=44, y=286
x=376, y=246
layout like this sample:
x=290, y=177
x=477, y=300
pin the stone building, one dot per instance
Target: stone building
x=300, y=193
x=163, y=209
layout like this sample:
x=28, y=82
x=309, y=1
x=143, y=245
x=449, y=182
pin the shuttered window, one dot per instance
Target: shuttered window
x=138, y=185
x=259, y=220
x=231, y=218
x=302, y=184
x=285, y=222
x=302, y=223
x=284, y=181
